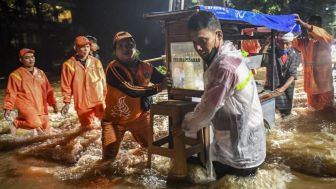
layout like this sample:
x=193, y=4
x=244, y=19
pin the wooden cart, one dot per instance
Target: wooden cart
x=185, y=68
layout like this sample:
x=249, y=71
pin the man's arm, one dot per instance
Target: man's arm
x=212, y=100
x=51, y=99
x=203, y=113
x=316, y=32
x=14, y=81
x=284, y=87
x=117, y=78
x=102, y=76
x=67, y=74
x=301, y=22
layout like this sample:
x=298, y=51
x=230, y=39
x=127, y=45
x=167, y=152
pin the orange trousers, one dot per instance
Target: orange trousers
x=29, y=118
x=32, y=121
x=86, y=116
x=113, y=133
x=320, y=101
x=317, y=101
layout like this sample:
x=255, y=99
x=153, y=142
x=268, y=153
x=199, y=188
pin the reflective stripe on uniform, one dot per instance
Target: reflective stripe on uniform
x=240, y=86
x=69, y=66
x=93, y=77
x=98, y=64
x=17, y=76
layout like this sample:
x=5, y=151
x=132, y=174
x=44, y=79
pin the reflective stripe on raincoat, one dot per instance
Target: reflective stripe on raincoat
x=29, y=89
x=230, y=101
x=87, y=84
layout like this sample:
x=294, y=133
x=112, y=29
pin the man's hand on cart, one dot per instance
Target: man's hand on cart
x=280, y=90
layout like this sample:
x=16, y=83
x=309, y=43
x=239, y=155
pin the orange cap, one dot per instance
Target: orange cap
x=24, y=51
x=81, y=40
x=121, y=35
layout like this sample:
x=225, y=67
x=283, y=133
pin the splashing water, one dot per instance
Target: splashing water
x=301, y=143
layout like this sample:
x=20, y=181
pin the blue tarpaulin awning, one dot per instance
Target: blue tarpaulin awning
x=285, y=23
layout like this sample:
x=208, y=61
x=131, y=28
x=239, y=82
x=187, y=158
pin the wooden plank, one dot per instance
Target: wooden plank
x=162, y=151
x=162, y=141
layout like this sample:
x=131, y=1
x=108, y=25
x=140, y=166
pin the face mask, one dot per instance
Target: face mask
x=282, y=52
x=211, y=56
x=286, y=51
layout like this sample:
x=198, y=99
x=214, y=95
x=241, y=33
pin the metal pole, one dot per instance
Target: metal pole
x=176, y=5
x=182, y=5
x=273, y=58
x=171, y=5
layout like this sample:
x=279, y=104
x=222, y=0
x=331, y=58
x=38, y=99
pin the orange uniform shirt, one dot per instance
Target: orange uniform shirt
x=251, y=46
x=86, y=83
x=121, y=107
x=29, y=89
x=306, y=46
x=316, y=56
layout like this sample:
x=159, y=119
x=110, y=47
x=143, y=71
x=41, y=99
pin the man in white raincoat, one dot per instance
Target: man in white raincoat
x=230, y=101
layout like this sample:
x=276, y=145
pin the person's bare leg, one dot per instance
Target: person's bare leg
x=40, y=131
x=12, y=128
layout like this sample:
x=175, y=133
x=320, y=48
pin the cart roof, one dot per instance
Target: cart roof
x=244, y=19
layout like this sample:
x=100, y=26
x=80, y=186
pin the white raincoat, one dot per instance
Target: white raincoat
x=230, y=101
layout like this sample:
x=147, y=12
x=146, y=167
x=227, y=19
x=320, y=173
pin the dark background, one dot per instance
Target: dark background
x=35, y=24
x=53, y=40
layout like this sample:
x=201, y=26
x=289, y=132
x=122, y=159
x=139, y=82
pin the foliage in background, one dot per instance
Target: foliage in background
x=263, y=6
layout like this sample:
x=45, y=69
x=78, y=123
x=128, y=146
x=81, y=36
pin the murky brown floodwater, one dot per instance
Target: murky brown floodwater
x=301, y=154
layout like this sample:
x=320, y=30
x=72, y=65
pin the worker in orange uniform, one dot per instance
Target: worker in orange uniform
x=30, y=92
x=83, y=78
x=315, y=50
x=252, y=46
x=128, y=96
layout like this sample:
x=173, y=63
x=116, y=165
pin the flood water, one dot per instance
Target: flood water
x=301, y=153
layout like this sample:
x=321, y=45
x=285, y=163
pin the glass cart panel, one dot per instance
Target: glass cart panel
x=186, y=67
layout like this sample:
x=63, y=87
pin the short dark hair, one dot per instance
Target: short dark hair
x=91, y=38
x=203, y=19
x=315, y=18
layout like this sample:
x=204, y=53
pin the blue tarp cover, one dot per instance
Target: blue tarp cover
x=285, y=23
